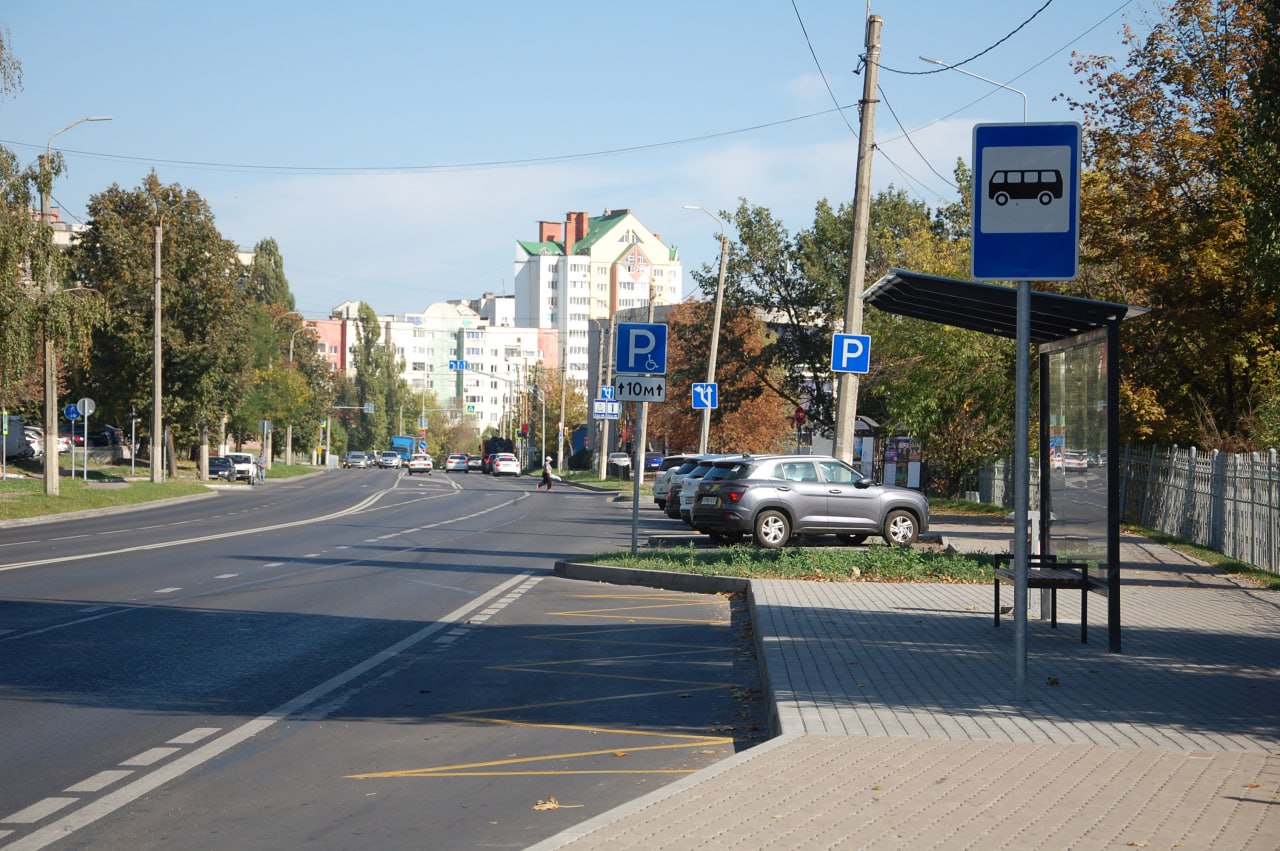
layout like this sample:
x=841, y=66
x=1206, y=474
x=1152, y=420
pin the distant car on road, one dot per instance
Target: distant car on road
x=1076, y=460
x=245, y=464
x=505, y=464
x=474, y=462
x=390, y=460
x=419, y=462
x=354, y=460
x=456, y=463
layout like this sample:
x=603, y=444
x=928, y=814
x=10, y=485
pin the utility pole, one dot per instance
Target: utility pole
x=847, y=386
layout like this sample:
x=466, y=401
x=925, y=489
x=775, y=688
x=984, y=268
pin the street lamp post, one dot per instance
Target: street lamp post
x=715, y=326
x=288, y=429
x=1023, y=94
x=50, y=355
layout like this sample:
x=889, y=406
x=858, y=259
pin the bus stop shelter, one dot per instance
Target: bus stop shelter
x=1077, y=342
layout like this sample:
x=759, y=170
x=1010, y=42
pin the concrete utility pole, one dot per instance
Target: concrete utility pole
x=847, y=385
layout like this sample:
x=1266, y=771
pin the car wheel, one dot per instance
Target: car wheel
x=901, y=528
x=772, y=529
x=852, y=540
x=662, y=504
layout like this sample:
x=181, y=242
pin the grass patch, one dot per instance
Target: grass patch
x=948, y=505
x=23, y=498
x=1263, y=578
x=875, y=563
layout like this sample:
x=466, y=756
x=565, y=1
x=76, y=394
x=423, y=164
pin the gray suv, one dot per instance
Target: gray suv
x=772, y=497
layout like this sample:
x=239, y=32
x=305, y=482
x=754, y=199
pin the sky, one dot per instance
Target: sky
x=396, y=151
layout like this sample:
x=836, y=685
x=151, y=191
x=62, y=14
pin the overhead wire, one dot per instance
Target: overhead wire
x=821, y=73
x=980, y=53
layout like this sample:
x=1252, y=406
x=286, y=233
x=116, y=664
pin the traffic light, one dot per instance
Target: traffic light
x=524, y=429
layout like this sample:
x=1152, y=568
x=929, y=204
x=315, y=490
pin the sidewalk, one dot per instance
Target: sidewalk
x=897, y=728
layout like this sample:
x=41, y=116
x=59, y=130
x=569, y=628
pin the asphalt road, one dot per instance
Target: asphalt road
x=351, y=659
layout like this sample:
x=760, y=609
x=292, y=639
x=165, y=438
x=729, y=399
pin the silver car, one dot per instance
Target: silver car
x=773, y=497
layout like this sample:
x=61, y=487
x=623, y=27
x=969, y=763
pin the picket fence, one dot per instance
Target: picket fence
x=1226, y=502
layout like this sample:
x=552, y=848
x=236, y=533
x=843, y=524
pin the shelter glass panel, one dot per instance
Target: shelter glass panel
x=1078, y=462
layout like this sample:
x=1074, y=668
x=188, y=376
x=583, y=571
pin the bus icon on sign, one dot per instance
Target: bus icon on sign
x=1044, y=185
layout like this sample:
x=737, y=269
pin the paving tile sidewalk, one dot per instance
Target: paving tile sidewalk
x=899, y=729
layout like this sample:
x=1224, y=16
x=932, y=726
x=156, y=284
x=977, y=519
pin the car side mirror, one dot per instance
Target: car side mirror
x=864, y=482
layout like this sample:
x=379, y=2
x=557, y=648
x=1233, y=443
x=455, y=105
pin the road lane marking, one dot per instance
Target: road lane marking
x=166, y=590
x=150, y=756
x=99, y=781
x=192, y=736
x=39, y=810
x=226, y=576
x=127, y=794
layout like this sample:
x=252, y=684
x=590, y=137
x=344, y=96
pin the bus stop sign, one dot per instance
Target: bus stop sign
x=1026, y=201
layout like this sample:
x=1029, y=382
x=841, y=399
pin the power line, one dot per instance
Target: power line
x=982, y=52
x=821, y=73
x=444, y=167
x=907, y=136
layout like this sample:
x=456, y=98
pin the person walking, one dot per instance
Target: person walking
x=546, y=474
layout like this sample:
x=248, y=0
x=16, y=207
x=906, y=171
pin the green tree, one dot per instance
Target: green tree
x=205, y=314
x=266, y=280
x=1178, y=178
x=379, y=381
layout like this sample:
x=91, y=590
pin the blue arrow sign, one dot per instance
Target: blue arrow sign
x=606, y=392
x=457, y=364
x=706, y=395
x=851, y=353
x=1026, y=201
x=641, y=348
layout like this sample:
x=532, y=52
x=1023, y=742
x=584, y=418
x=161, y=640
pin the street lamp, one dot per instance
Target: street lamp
x=1023, y=94
x=288, y=429
x=50, y=356
x=715, y=326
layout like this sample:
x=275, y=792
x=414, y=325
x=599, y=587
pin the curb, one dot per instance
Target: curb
x=664, y=580
x=98, y=512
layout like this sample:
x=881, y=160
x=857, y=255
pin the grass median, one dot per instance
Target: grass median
x=873, y=563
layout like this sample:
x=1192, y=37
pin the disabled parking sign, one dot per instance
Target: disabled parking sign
x=1026, y=201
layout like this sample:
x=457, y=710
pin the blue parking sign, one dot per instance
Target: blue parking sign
x=851, y=353
x=641, y=348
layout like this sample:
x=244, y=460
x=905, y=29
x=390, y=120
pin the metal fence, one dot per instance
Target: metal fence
x=1226, y=502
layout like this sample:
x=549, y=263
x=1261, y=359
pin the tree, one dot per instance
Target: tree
x=266, y=279
x=1166, y=219
x=378, y=381
x=749, y=417
x=205, y=314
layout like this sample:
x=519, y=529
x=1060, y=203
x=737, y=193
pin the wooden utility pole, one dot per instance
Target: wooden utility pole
x=847, y=385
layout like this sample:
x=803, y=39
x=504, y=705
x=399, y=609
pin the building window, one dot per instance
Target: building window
x=419, y=366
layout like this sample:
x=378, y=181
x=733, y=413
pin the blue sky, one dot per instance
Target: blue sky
x=364, y=137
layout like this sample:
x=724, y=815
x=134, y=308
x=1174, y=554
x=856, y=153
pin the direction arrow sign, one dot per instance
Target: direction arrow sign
x=640, y=388
x=457, y=364
x=1026, y=201
x=706, y=395
x=641, y=348
x=71, y=412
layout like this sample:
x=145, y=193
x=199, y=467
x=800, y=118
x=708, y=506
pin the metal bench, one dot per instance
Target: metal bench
x=1045, y=571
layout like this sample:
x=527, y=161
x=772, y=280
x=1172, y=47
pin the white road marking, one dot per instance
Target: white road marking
x=226, y=576
x=166, y=590
x=112, y=801
x=195, y=735
x=39, y=810
x=99, y=781
x=274, y=564
x=88, y=609
x=150, y=756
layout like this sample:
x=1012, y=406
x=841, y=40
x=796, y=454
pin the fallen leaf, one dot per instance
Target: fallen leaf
x=1053, y=681
x=619, y=753
x=1136, y=844
x=1251, y=785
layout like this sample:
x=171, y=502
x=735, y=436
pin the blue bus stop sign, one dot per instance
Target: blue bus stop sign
x=1026, y=201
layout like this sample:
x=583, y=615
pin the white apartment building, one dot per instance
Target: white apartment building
x=585, y=270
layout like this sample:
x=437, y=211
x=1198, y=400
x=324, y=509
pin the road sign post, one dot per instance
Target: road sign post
x=1026, y=226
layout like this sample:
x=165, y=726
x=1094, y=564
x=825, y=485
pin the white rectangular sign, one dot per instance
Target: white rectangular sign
x=606, y=409
x=640, y=388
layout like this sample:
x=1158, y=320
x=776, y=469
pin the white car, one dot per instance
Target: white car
x=390, y=460
x=456, y=463
x=246, y=466
x=420, y=462
x=619, y=459
x=504, y=463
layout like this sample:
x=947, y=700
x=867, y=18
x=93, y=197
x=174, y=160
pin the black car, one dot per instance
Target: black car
x=221, y=468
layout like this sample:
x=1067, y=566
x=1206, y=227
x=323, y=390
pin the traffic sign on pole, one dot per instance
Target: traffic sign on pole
x=641, y=348
x=71, y=412
x=706, y=395
x=1026, y=201
x=851, y=353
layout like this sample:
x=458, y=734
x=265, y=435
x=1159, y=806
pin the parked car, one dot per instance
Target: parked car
x=74, y=435
x=773, y=497
x=683, y=500
x=1075, y=460
x=35, y=441
x=652, y=462
x=245, y=464
x=390, y=460
x=662, y=482
x=620, y=459
x=107, y=435
x=474, y=462
x=505, y=464
x=419, y=462
x=356, y=460
x=456, y=463
x=220, y=467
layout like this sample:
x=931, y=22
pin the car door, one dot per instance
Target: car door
x=849, y=505
x=799, y=486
